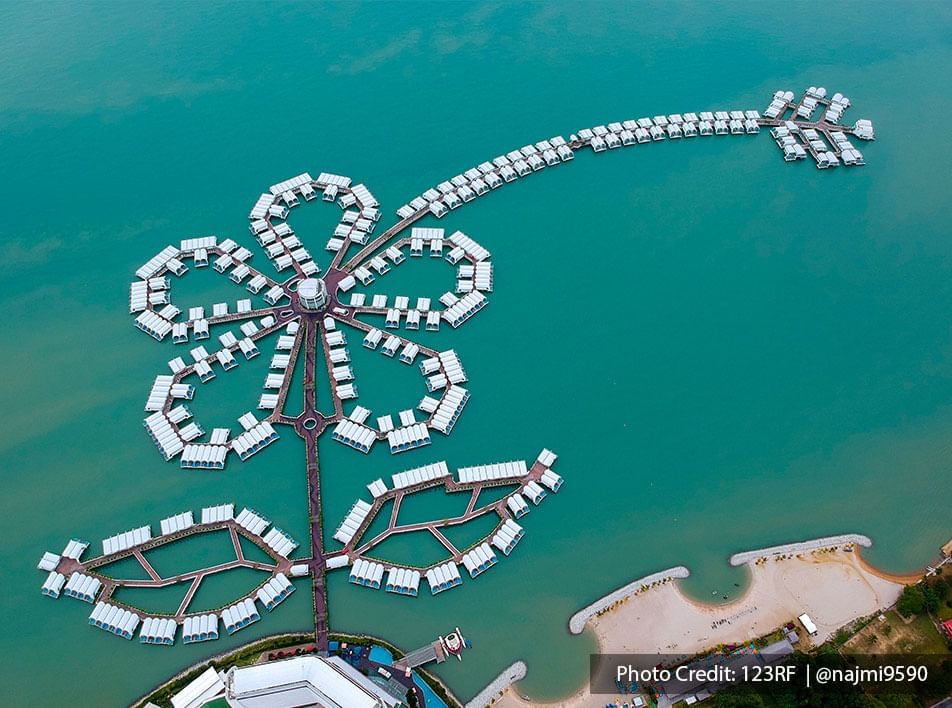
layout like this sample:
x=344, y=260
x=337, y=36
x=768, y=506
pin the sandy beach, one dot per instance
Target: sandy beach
x=834, y=588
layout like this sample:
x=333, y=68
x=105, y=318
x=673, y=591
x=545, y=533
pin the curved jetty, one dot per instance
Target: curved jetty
x=579, y=619
x=313, y=314
x=848, y=539
x=512, y=673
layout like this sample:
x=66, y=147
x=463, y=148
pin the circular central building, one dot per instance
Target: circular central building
x=312, y=293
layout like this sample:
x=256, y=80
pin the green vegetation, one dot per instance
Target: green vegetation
x=895, y=635
x=854, y=628
x=768, y=639
x=919, y=598
x=942, y=586
x=910, y=629
x=931, y=642
x=747, y=695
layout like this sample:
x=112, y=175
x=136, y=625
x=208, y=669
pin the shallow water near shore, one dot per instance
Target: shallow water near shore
x=727, y=351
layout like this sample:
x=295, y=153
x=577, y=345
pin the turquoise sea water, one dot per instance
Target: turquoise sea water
x=726, y=350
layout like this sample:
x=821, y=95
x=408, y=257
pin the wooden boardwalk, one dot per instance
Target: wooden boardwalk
x=473, y=511
x=311, y=423
x=95, y=565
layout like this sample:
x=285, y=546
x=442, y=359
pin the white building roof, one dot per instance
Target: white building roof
x=305, y=680
x=206, y=686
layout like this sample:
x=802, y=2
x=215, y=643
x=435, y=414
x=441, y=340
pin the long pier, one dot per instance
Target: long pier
x=317, y=563
x=810, y=125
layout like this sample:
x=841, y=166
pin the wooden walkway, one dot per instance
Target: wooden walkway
x=473, y=511
x=94, y=567
x=310, y=423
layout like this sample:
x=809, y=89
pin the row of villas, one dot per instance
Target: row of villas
x=671, y=127
x=473, y=279
x=486, y=176
x=149, y=297
x=405, y=581
x=123, y=621
x=355, y=432
x=358, y=220
x=828, y=149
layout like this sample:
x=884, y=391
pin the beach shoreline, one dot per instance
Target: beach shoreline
x=826, y=578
